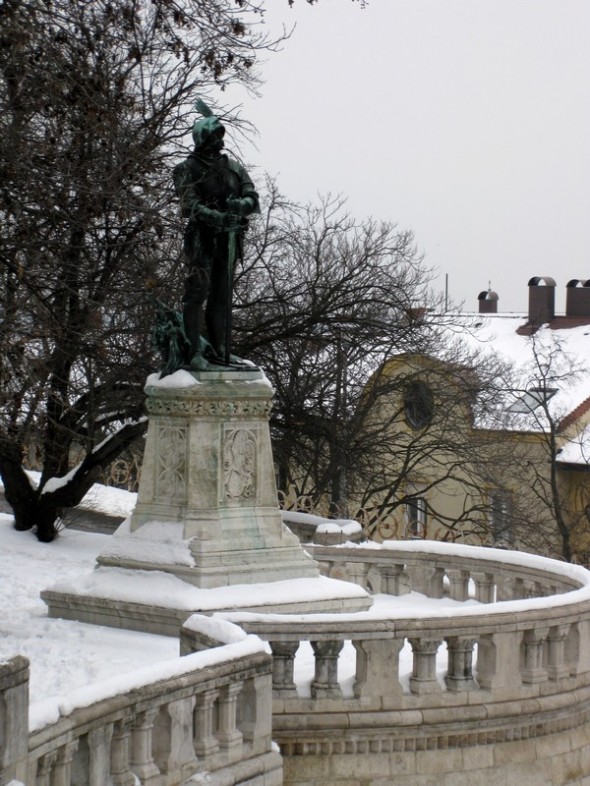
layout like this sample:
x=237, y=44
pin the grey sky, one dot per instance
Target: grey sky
x=467, y=121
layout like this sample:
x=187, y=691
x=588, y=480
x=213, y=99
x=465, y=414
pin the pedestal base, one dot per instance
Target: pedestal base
x=155, y=602
x=207, y=506
x=207, y=533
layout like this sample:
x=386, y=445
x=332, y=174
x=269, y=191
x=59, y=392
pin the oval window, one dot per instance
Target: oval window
x=418, y=404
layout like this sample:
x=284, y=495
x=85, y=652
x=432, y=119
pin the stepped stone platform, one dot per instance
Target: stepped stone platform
x=206, y=516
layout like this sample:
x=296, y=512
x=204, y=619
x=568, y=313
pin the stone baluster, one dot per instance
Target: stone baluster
x=228, y=734
x=529, y=588
x=377, y=670
x=98, y=765
x=121, y=774
x=62, y=769
x=460, y=668
x=255, y=712
x=283, y=661
x=205, y=740
x=573, y=648
x=325, y=683
x=142, y=760
x=459, y=580
x=394, y=579
x=484, y=587
x=325, y=567
x=173, y=747
x=518, y=588
x=435, y=583
x=540, y=590
x=498, y=661
x=487, y=662
x=423, y=679
x=44, y=769
x=504, y=588
x=533, y=643
x=358, y=572
x=426, y=579
x=557, y=668
x=14, y=718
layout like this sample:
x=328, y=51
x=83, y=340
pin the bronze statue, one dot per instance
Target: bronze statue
x=170, y=338
x=216, y=196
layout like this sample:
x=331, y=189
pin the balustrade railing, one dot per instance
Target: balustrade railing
x=436, y=569
x=516, y=662
x=514, y=666
x=205, y=713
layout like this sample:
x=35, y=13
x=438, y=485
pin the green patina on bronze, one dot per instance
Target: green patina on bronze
x=170, y=339
x=216, y=197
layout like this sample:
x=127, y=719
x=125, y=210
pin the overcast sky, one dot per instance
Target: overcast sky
x=467, y=121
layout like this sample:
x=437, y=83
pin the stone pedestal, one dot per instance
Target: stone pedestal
x=208, y=464
x=206, y=519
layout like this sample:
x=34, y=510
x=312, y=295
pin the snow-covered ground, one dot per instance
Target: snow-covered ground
x=69, y=656
x=66, y=655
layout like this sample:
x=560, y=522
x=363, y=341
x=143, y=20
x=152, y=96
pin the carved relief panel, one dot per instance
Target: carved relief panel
x=171, y=463
x=240, y=465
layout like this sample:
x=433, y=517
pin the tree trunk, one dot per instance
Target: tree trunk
x=33, y=508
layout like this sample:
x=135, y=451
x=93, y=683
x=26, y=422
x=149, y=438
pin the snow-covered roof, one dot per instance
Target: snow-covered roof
x=550, y=366
x=577, y=450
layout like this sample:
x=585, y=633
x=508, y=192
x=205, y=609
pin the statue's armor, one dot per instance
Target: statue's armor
x=207, y=181
x=204, y=185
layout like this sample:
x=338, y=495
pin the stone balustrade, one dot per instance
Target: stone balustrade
x=495, y=692
x=205, y=716
x=438, y=569
x=515, y=667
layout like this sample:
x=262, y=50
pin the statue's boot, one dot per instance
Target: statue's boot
x=198, y=363
x=193, y=327
x=234, y=361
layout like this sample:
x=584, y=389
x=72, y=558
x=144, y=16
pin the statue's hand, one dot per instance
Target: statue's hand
x=230, y=221
x=242, y=207
x=218, y=219
x=211, y=217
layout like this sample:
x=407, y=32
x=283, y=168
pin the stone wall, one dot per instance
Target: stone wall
x=514, y=704
x=204, y=718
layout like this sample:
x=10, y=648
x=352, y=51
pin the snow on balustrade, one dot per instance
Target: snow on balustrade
x=528, y=625
x=206, y=712
x=462, y=646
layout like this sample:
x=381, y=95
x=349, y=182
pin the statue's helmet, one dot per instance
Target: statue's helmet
x=206, y=130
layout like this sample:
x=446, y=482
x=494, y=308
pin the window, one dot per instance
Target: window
x=418, y=405
x=500, y=516
x=416, y=509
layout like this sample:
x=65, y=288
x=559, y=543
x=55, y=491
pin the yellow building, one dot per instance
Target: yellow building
x=490, y=441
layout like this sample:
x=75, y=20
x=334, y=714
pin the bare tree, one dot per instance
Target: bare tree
x=95, y=97
x=549, y=508
x=334, y=310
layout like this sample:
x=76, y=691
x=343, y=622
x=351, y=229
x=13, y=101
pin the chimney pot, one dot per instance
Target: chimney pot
x=577, y=300
x=488, y=302
x=541, y=300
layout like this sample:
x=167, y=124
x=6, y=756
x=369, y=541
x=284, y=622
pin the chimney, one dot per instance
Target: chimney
x=541, y=300
x=488, y=302
x=577, y=300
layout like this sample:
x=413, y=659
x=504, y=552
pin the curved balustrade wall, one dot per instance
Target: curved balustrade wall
x=514, y=703
x=512, y=707
x=204, y=718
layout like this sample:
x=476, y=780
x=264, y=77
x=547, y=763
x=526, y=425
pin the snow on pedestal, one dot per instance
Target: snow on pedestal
x=208, y=464
x=207, y=509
